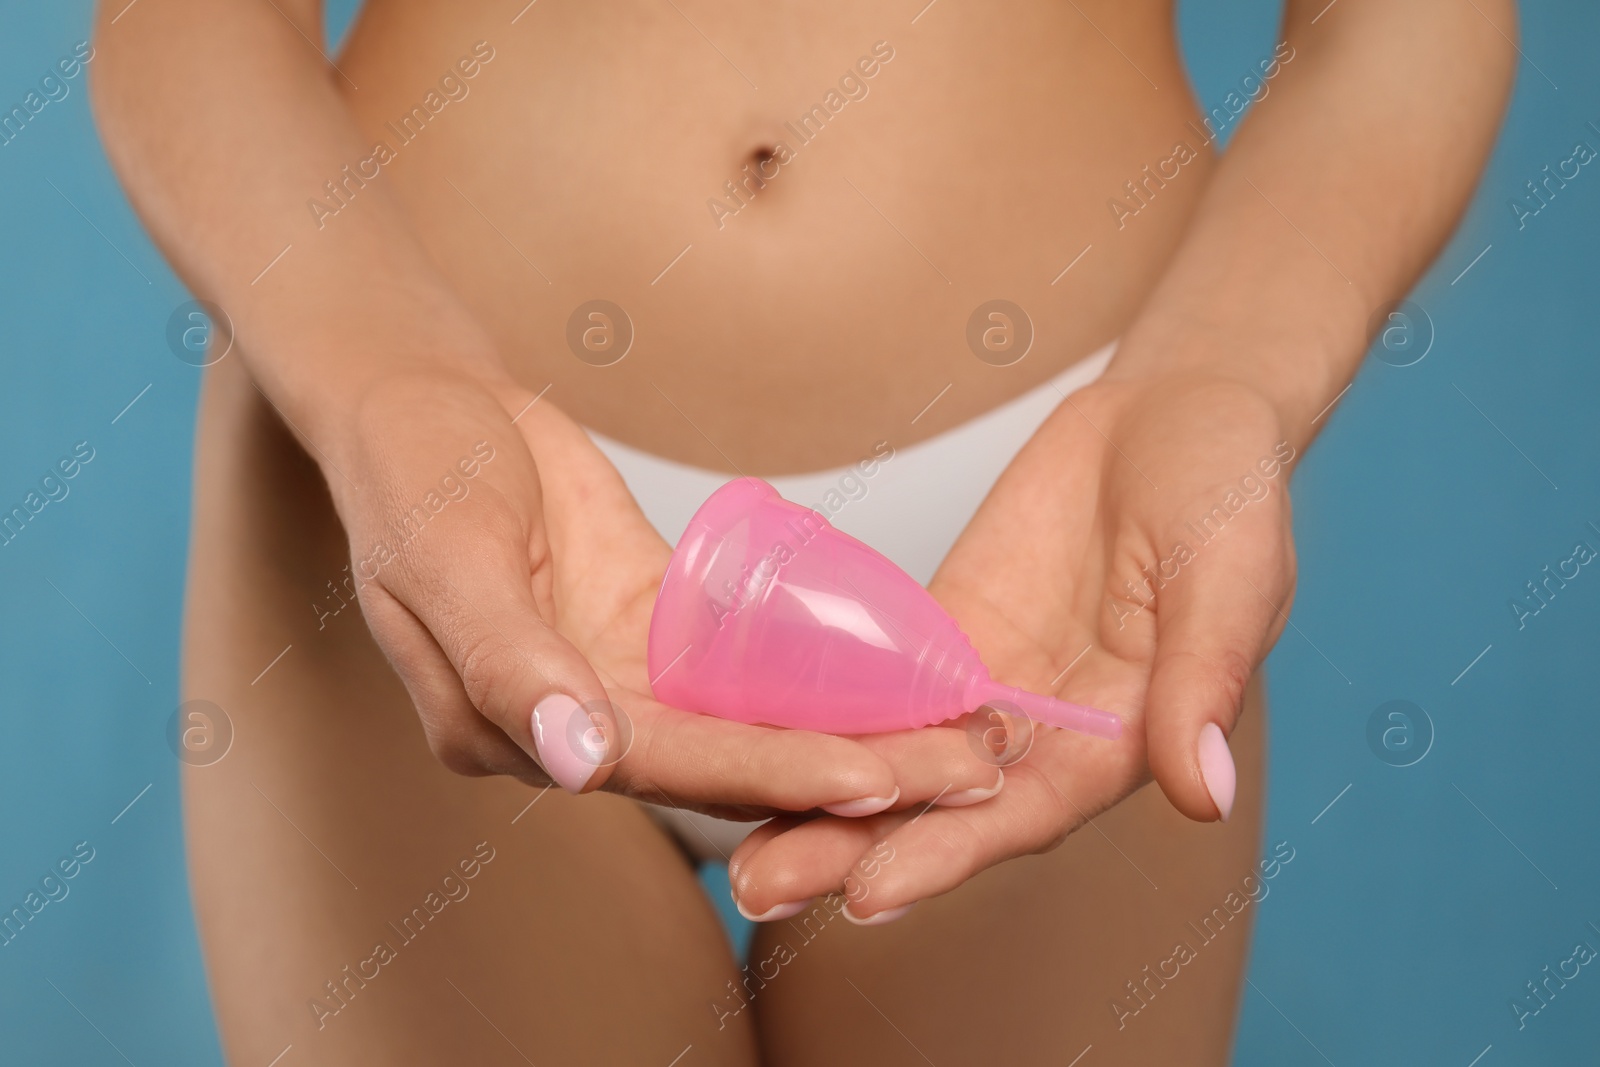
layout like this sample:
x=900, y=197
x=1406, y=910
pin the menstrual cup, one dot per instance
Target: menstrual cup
x=767, y=614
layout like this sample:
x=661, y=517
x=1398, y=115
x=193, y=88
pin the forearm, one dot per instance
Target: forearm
x=1326, y=206
x=223, y=121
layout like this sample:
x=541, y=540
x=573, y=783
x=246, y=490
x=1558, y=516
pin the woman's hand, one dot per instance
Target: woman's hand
x=509, y=576
x=1274, y=284
x=608, y=566
x=1136, y=556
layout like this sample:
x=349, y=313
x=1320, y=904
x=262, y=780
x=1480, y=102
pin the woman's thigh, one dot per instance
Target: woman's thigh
x=356, y=901
x=1037, y=959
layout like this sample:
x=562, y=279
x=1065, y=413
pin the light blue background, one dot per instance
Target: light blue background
x=1411, y=914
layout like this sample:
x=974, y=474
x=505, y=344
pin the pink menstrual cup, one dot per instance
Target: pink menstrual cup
x=768, y=614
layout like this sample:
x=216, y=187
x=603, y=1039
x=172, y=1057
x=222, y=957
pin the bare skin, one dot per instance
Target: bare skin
x=805, y=366
x=329, y=778
x=430, y=311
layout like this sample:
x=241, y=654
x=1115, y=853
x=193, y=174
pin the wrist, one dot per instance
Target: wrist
x=398, y=432
x=1298, y=372
x=323, y=373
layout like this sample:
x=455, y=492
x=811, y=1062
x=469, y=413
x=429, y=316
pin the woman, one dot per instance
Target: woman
x=766, y=242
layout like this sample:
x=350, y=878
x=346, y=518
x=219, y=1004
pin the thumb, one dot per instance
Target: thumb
x=495, y=669
x=1215, y=623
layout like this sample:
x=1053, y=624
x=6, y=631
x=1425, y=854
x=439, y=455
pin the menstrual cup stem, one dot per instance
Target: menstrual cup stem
x=1053, y=712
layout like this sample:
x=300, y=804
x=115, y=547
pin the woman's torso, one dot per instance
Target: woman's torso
x=822, y=311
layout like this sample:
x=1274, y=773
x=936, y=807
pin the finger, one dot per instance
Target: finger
x=931, y=849
x=1214, y=625
x=934, y=851
x=942, y=764
x=758, y=837
x=782, y=866
x=461, y=739
x=884, y=864
x=477, y=601
x=683, y=759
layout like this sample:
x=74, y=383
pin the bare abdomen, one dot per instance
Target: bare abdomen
x=797, y=210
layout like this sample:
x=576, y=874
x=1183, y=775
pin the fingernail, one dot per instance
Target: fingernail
x=967, y=797
x=570, y=751
x=855, y=809
x=772, y=915
x=880, y=918
x=1216, y=768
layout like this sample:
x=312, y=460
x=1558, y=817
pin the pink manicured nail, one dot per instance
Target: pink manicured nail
x=570, y=751
x=1216, y=768
x=772, y=915
x=880, y=918
x=968, y=797
x=855, y=809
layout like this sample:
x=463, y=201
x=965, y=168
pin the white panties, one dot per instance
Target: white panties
x=911, y=508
